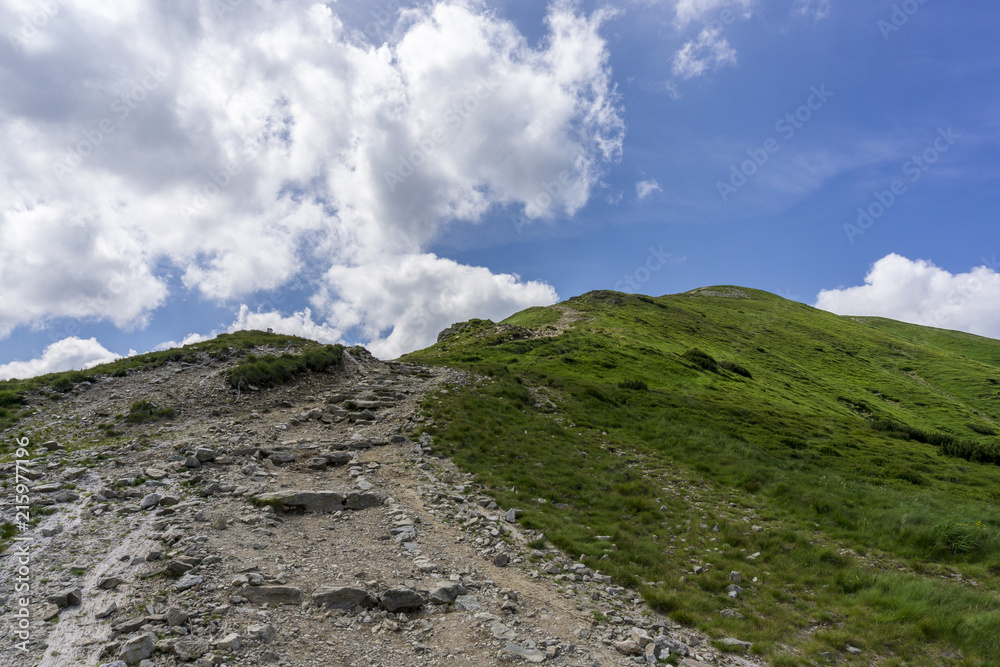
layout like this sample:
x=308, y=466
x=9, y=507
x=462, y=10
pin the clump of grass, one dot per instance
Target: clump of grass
x=700, y=359
x=977, y=452
x=141, y=412
x=271, y=370
x=635, y=385
x=734, y=367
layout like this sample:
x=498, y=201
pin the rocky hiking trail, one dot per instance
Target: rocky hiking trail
x=297, y=526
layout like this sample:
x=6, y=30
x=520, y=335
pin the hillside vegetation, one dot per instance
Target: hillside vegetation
x=845, y=467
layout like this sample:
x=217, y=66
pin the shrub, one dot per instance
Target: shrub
x=982, y=430
x=146, y=411
x=700, y=359
x=9, y=399
x=636, y=385
x=271, y=371
x=734, y=367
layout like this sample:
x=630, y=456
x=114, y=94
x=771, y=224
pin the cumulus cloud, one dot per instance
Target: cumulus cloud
x=65, y=355
x=645, y=188
x=918, y=292
x=235, y=147
x=298, y=324
x=708, y=51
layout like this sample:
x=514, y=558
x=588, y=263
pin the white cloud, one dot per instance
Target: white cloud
x=239, y=150
x=709, y=51
x=65, y=355
x=645, y=188
x=429, y=294
x=190, y=339
x=298, y=324
x=815, y=9
x=692, y=11
x=921, y=293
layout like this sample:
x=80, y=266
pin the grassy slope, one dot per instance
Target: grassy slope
x=866, y=537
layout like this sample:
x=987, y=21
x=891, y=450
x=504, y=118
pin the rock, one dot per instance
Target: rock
x=735, y=577
x=48, y=611
x=150, y=501
x=51, y=532
x=854, y=650
x=733, y=591
x=188, y=581
x=279, y=458
x=230, y=643
x=512, y=515
x=687, y=662
x=360, y=501
x=66, y=597
x=340, y=598
x=178, y=567
x=220, y=522
x=116, y=663
x=176, y=617
x=190, y=649
x=66, y=497
x=401, y=599
x=501, y=560
x=192, y=462
x=138, y=648
x=627, y=647
x=640, y=637
x=501, y=631
x=518, y=651
x=317, y=463
x=155, y=473
x=262, y=633
x=312, y=501
x=729, y=641
x=104, y=612
x=272, y=595
x=446, y=594
x=204, y=454
x=109, y=583
x=339, y=458
x=467, y=603
x=731, y=613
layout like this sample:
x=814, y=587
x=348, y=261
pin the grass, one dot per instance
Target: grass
x=142, y=412
x=829, y=447
x=271, y=370
x=14, y=403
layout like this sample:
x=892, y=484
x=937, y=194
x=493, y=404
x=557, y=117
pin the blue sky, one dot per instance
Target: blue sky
x=372, y=172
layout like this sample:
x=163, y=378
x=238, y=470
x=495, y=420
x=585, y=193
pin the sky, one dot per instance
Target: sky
x=371, y=172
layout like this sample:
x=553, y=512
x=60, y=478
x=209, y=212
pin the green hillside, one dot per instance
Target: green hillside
x=856, y=456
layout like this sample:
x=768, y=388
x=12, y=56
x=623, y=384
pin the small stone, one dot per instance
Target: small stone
x=106, y=611
x=401, y=599
x=272, y=595
x=66, y=497
x=262, y=633
x=627, y=647
x=501, y=560
x=109, y=583
x=220, y=522
x=176, y=617
x=729, y=641
x=529, y=654
x=138, y=648
x=467, y=603
x=192, y=462
x=190, y=649
x=188, y=581
x=48, y=611
x=640, y=637
x=230, y=643
x=155, y=473
x=66, y=597
x=854, y=650
x=204, y=454
x=446, y=594
x=340, y=598
x=150, y=501
x=731, y=613
x=736, y=577
x=512, y=515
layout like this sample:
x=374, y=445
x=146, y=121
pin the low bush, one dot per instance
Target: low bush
x=141, y=412
x=700, y=359
x=734, y=367
x=635, y=385
x=271, y=371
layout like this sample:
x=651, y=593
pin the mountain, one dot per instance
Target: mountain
x=845, y=467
